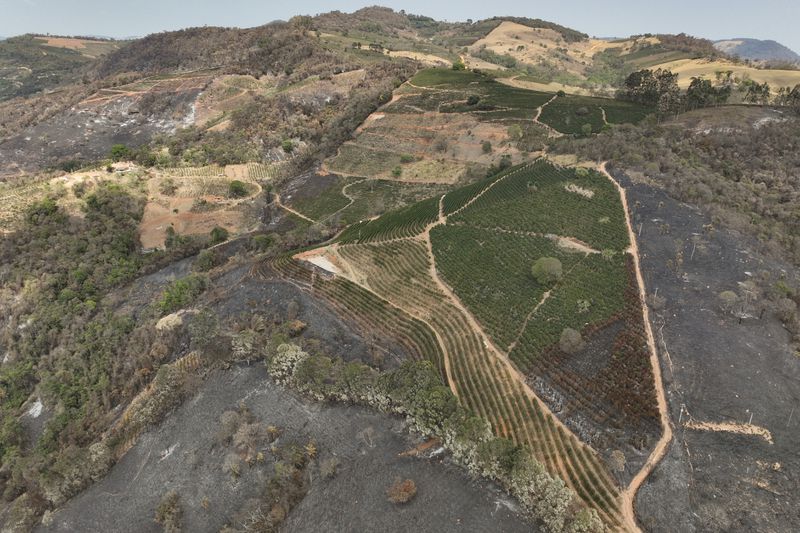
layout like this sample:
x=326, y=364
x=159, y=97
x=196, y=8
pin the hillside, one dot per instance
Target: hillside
x=372, y=271
x=31, y=63
x=758, y=50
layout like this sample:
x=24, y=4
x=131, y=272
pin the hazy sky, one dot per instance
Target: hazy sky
x=713, y=19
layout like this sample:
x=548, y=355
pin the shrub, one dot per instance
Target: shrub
x=168, y=512
x=406, y=158
x=237, y=189
x=727, y=300
x=473, y=99
x=401, y=491
x=547, y=270
x=571, y=341
x=459, y=65
x=119, y=152
x=486, y=146
x=288, y=146
x=206, y=260
x=218, y=235
x=181, y=293
x=586, y=130
x=397, y=172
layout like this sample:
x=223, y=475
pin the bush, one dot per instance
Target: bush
x=727, y=300
x=459, y=65
x=218, y=235
x=168, y=512
x=473, y=99
x=397, y=172
x=288, y=146
x=181, y=293
x=119, y=152
x=237, y=189
x=401, y=491
x=486, y=146
x=571, y=341
x=547, y=270
x=206, y=260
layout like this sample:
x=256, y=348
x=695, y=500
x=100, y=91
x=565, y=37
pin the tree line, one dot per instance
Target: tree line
x=659, y=89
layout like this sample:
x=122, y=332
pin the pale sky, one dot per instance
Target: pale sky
x=713, y=19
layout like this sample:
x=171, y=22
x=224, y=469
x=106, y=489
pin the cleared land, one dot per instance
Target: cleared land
x=194, y=200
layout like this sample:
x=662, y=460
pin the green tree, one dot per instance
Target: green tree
x=459, y=65
x=218, y=235
x=237, y=189
x=547, y=270
x=119, y=152
x=486, y=146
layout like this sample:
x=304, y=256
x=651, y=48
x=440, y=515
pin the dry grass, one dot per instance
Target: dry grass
x=686, y=69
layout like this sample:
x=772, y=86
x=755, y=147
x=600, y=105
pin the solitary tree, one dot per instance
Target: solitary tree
x=237, y=189
x=546, y=270
x=571, y=341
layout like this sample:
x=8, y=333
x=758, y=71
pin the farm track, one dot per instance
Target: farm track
x=660, y=449
x=290, y=210
x=551, y=132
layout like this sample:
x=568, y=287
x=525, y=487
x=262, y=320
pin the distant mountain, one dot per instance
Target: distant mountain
x=758, y=50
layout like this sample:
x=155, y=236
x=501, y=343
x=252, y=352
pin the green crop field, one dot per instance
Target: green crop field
x=537, y=200
x=491, y=273
x=399, y=224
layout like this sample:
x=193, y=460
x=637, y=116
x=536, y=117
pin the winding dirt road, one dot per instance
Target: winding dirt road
x=629, y=494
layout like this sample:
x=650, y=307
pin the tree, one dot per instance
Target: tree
x=571, y=341
x=288, y=146
x=486, y=146
x=397, y=172
x=218, y=235
x=237, y=189
x=702, y=94
x=757, y=93
x=547, y=270
x=119, y=152
x=586, y=130
x=459, y=65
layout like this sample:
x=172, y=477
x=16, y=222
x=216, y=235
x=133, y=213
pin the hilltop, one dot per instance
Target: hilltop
x=758, y=50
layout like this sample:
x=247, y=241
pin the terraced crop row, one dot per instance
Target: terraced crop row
x=400, y=272
x=365, y=309
x=399, y=224
x=549, y=200
x=490, y=272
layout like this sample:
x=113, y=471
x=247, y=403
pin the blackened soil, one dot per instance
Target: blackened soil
x=716, y=369
x=183, y=454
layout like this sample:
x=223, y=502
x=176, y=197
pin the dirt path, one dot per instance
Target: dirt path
x=289, y=209
x=551, y=132
x=351, y=199
x=629, y=494
x=603, y=112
